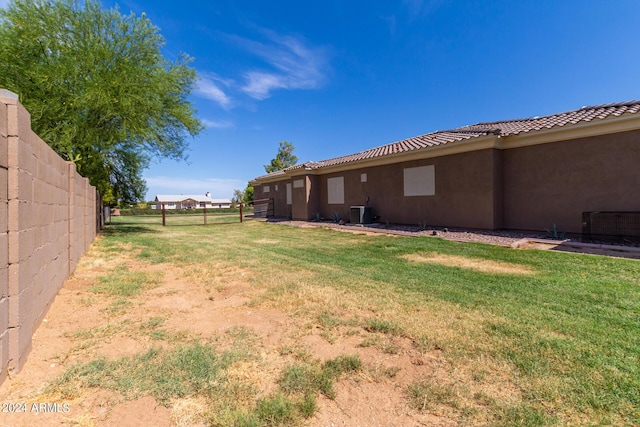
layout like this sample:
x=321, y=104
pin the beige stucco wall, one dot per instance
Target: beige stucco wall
x=554, y=183
x=47, y=221
x=305, y=200
x=509, y=186
x=277, y=192
x=305, y=197
x=466, y=194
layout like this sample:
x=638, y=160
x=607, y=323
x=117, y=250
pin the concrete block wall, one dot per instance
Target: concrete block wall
x=4, y=244
x=47, y=222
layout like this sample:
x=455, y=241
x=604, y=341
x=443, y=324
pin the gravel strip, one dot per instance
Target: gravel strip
x=512, y=239
x=501, y=238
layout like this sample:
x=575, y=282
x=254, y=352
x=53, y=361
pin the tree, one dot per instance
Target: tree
x=284, y=159
x=98, y=88
x=238, y=197
x=245, y=197
x=248, y=195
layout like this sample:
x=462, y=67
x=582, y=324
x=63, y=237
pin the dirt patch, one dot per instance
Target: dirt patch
x=384, y=407
x=476, y=264
x=139, y=412
x=82, y=326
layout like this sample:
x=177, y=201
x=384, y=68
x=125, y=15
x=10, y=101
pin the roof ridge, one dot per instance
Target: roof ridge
x=470, y=129
x=610, y=105
x=503, y=128
x=583, y=108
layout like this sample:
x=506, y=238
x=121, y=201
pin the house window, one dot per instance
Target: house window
x=289, y=193
x=266, y=189
x=276, y=187
x=420, y=181
x=363, y=177
x=298, y=183
x=335, y=190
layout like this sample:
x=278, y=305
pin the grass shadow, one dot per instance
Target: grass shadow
x=124, y=228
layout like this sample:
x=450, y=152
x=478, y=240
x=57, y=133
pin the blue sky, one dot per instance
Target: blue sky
x=337, y=77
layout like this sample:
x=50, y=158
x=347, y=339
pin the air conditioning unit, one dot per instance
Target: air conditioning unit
x=361, y=215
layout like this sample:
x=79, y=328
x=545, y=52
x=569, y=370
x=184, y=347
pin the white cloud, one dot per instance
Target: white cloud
x=218, y=187
x=289, y=63
x=421, y=8
x=208, y=88
x=259, y=84
x=217, y=124
x=293, y=65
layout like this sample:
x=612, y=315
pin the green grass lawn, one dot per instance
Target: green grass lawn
x=558, y=333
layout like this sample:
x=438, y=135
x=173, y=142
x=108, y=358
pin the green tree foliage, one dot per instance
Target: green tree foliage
x=98, y=88
x=248, y=194
x=284, y=159
x=245, y=197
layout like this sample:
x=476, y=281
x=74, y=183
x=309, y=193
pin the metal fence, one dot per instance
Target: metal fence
x=611, y=226
x=263, y=208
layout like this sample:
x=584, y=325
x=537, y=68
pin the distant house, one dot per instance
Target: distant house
x=182, y=201
x=524, y=174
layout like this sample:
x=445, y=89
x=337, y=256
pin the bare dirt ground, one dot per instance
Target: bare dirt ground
x=374, y=397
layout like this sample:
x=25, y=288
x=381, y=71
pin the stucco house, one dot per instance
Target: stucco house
x=523, y=174
x=181, y=201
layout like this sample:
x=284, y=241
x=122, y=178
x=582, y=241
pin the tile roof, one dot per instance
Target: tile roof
x=502, y=128
x=584, y=114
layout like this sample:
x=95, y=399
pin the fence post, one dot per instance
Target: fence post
x=240, y=212
x=205, y=214
x=164, y=220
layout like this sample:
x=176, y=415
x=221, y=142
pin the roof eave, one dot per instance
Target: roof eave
x=471, y=144
x=457, y=147
x=623, y=123
x=268, y=179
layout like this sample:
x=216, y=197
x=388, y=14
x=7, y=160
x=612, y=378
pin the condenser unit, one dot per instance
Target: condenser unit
x=361, y=215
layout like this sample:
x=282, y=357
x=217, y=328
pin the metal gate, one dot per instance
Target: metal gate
x=263, y=208
x=611, y=226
